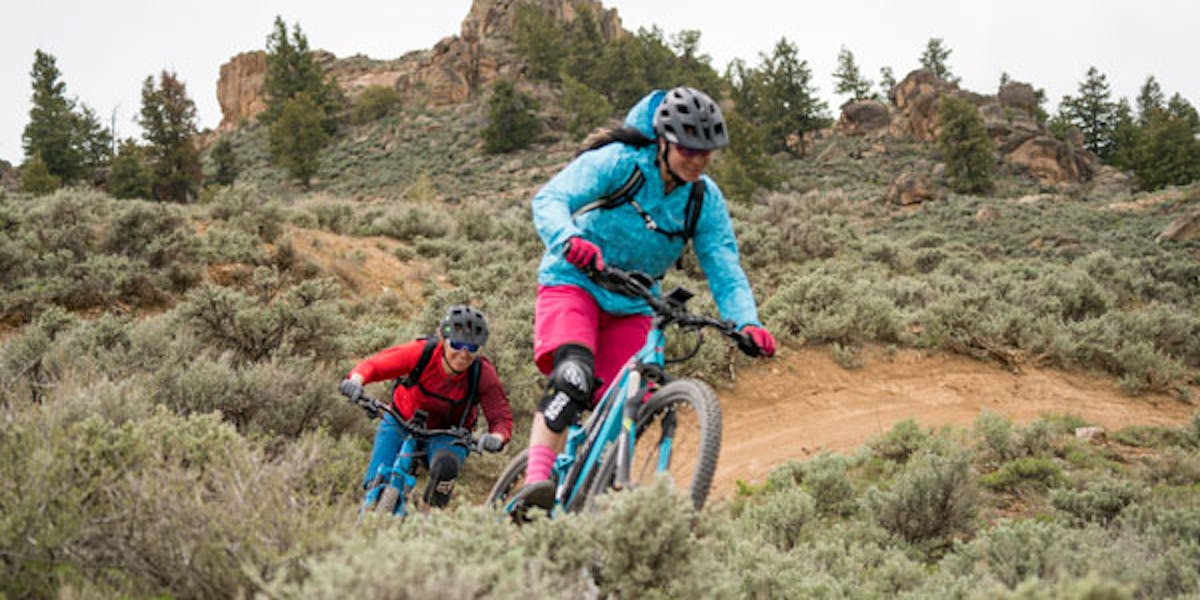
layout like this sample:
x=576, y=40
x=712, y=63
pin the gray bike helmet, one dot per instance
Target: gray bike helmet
x=464, y=324
x=690, y=118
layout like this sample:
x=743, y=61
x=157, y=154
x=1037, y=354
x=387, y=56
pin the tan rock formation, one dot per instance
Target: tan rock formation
x=239, y=90
x=455, y=69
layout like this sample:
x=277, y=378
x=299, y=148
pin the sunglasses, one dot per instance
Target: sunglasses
x=691, y=152
x=457, y=345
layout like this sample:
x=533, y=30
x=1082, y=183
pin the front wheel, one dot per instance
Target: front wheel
x=678, y=435
x=510, y=481
x=388, y=500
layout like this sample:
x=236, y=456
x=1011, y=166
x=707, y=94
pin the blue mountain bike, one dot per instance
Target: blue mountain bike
x=647, y=424
x=390, y=490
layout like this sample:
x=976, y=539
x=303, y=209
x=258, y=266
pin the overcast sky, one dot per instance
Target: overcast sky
x=106, y=49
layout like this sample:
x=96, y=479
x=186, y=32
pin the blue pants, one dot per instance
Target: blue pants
x=390, y=436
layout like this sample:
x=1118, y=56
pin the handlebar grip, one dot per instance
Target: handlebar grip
x=746, y=344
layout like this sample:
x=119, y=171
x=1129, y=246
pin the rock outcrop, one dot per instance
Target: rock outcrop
x=1010, y=118
x=447, y=74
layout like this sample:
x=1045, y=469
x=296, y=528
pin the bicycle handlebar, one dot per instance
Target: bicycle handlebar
x=373, y=407
x=672, y=309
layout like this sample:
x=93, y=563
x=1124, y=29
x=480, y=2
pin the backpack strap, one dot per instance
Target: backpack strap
x=413, y=377
x=622, y=195
x=695, y=204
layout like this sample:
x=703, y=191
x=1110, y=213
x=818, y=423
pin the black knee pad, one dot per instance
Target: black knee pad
x=443, y=472
x=569, y=391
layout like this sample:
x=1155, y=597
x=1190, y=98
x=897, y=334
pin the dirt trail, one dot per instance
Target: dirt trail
x=802, y=403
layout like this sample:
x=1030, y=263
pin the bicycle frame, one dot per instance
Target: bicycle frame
x=609, y=422
x=402, y=474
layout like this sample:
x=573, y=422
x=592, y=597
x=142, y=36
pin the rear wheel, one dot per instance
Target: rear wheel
x=509, y=481
x=678, y=435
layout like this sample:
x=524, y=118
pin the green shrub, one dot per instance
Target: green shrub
x=932, y=500
x=512, y=121
x=902, y=442
x=302, y=320
x=1097, y=500
x=374, y=102
x=1038, y=474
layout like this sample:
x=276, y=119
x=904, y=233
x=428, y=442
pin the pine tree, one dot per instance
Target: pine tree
x=168, y=120
x=1126, y=137
x=1092, y=112
x=848, y=80
x=779, y=95
x=1150, y=100
x=512, y=124
x=934, y=59
x=542, y=42
x=887, y=81
x=585, y=47
x=1169, y=151
x=965, y=146
x=296, y=138
x=68, y=139
x=291, y=71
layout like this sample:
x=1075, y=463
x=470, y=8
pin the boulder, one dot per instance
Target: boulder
x=1183, y=228
x=910, y=188
x=863, y=116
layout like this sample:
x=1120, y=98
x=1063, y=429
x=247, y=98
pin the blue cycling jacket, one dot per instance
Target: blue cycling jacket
x=621, y=233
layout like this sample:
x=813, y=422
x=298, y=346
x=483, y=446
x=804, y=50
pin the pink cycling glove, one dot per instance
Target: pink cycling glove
x=584, y=254
x=762, y=338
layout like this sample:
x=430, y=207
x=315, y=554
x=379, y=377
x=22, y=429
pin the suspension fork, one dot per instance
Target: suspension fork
x=625, y=442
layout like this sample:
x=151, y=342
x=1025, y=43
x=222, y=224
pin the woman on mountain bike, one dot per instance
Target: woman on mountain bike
x=446, y=377
x=635, y=205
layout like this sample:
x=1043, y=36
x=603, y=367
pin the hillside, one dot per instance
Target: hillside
x=170, y=422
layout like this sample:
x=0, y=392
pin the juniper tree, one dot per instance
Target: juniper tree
x=296, y=138
x=965, y=146
x=224, y=162
x=168, y=120
x=130, y=176
x=512, y=124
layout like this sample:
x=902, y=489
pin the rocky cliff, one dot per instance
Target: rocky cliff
x=449, y=73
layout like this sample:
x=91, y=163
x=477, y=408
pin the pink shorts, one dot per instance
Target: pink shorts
x=565, y=314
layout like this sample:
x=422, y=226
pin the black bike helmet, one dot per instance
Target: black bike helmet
x=690, y=118
x=464, y=324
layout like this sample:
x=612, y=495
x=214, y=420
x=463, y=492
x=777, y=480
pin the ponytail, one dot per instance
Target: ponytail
x=623, y=134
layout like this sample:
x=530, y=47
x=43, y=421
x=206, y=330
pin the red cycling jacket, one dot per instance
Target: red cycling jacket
x=398, y=361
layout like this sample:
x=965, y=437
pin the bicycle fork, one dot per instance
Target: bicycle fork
x=625, y=442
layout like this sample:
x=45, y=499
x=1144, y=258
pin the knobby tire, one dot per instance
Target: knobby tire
x=687, y=397
x=509, y=480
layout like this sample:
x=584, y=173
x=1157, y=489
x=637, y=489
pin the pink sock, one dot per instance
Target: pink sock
x=541, y=462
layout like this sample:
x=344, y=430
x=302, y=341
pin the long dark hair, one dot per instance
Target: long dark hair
x=624, y=134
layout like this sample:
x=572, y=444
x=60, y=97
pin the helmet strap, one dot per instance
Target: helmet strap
x=662, y=162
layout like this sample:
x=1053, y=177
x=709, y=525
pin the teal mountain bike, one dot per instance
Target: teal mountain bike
x=390, y=490
x=647, y=424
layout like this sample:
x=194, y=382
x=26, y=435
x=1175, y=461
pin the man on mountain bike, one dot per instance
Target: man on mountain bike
x=635, y=205
x=446, y=377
